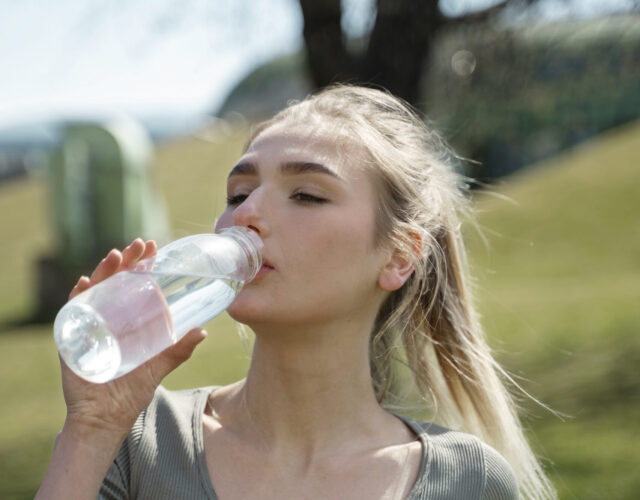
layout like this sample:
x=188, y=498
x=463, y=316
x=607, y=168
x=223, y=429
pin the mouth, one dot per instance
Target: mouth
x=265, y=269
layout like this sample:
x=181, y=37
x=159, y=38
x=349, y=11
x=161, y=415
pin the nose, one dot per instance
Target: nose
x=250, y=213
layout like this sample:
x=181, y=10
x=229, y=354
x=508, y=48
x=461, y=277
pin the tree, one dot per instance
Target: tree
x=397, y=46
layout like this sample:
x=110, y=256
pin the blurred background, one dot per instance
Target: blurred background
x=120, y=119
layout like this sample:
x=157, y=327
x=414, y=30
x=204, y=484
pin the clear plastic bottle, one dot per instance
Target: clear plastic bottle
x=118, y=324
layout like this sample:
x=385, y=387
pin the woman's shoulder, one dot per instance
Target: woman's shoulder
x=462, y=461
x=172, y=410
x=169, y=411
x=177, y=400
x=168, y=427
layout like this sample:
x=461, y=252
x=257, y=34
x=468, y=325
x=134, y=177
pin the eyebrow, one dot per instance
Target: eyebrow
x=289, y=168
x=243, y=169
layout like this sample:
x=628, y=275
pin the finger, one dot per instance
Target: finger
x=132, y=253
x=150, y=249
x=107, y=266
x=83, y=283
x=68, y=373
x=169, y=359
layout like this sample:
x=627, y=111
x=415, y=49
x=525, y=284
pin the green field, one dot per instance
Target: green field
x=558, y=285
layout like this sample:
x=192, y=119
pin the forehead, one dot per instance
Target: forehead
x=286, y=142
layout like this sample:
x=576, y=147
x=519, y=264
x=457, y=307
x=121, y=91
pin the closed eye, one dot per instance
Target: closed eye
x=236, y=199
x=301, y=197
x=308, y=198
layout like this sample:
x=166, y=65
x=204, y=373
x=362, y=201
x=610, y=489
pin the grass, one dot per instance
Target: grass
x=558, y=286
x=559, y=289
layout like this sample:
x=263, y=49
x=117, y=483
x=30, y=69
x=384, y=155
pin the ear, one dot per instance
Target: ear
x=400, y=265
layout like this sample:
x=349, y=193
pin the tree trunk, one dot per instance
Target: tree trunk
x=327, y=58
x=399, y=44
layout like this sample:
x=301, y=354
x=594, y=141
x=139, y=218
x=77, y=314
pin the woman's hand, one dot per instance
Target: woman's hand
x=99, y=416
x=113, y=407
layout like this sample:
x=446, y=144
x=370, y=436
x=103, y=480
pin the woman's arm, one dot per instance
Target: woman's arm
x=99, y=416
x=81, y=458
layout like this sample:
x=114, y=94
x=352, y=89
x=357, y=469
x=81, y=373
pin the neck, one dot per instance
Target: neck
x=311, y=390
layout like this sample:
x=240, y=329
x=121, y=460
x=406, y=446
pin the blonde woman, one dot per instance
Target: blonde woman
x=363, y=273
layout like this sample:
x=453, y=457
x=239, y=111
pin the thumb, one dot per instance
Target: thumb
x=172, y=357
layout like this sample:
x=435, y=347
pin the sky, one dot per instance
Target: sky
x=61, y=58
x=71, y=57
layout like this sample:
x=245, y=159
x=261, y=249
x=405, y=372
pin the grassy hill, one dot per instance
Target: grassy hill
x=559, y=289
x=558, y=283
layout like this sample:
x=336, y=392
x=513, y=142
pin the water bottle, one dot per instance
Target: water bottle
x=118, y=324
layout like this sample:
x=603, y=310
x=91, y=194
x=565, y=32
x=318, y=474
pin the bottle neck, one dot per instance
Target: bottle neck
x=251, y=245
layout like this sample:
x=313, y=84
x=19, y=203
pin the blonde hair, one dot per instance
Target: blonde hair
x=430, y=323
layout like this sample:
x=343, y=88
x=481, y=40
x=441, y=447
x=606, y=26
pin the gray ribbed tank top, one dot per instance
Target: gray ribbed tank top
x=163, y=458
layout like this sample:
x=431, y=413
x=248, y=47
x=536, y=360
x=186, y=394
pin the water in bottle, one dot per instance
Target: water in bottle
x=115, y=326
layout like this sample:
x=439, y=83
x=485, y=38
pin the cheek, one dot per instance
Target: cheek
x=340, y=249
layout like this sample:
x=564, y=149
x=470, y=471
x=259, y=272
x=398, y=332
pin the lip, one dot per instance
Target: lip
x=265, y=269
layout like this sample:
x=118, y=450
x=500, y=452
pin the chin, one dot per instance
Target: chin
x=247, y=311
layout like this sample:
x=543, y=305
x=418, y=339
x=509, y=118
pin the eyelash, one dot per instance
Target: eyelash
x=301, y=197
x=236, y=199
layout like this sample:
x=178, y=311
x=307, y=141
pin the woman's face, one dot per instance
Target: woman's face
x=314, y=208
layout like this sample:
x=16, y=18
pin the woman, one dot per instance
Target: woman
x=363, y=272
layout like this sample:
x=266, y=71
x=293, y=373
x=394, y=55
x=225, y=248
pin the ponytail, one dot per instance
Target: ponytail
x=453, y=371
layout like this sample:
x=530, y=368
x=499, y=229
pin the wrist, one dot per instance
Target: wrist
x=96, y=439
x=81, y=458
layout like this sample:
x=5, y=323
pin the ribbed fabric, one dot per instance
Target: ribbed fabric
x=163, y=458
